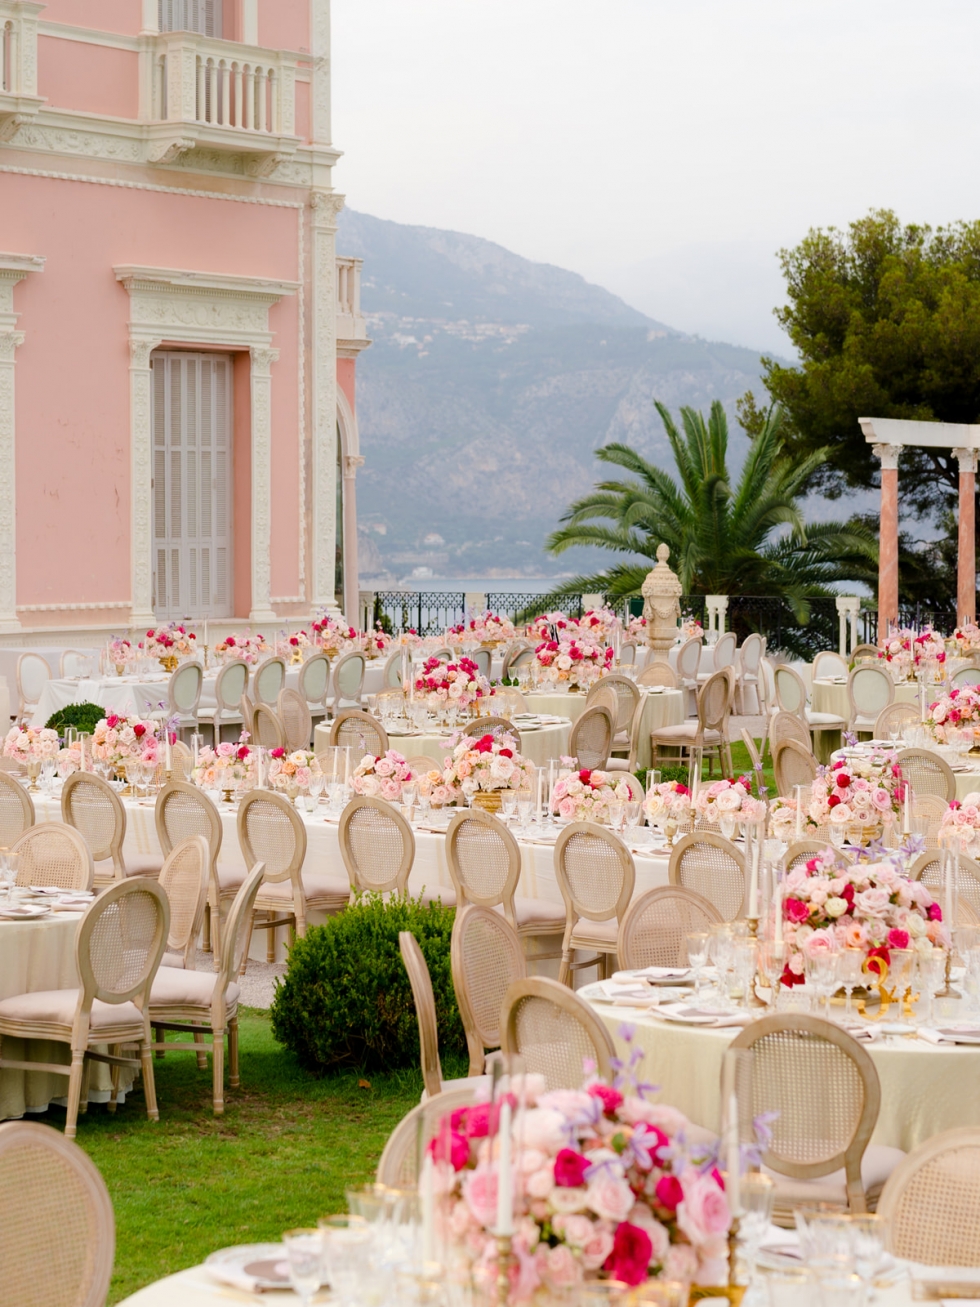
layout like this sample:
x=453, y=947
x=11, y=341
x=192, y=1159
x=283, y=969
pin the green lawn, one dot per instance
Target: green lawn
x=281, y=1155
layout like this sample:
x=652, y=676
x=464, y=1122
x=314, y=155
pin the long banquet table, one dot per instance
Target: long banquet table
x=661, y=707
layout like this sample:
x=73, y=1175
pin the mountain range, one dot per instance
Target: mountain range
x=490, y=383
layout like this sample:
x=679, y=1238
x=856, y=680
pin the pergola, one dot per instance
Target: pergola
x=888, y=437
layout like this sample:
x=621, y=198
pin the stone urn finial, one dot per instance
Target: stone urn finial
x=661, y=605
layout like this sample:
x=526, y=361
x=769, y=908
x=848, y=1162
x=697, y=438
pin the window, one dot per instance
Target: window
x=202, y=16
x=192, y=440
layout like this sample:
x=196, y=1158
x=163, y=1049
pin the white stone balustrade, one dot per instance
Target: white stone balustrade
x=223, y=95
x=350, y=320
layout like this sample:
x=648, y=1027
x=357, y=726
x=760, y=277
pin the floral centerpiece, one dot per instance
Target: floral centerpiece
x=120, y=652
x=636, y=628
x=381, y=778
x=491, y=628
x=782, y=817
x=377, y=643
x=959, y=708
x=729, y=799
x=23, y=743
x=293, y=646
x=547, y=626
x=432, y=786
x=586, y=795
x=966, y=639
x=573, y=661
x=896, y=650
x=691, y=627
x=480, y=767
x=225, y=766
x=118, y=740
x=448, y=685
x=249, y=647
x=292, y=771
x=906, y=650
x=863, y=791
x=962, y=818
x=332, y=636
x=172, y=641
x=607, y=1186
x=666, y=801
x=871, y=906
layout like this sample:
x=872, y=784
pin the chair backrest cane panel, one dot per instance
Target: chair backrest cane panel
x=92, y=806
x=793, y=764
x=595, y=872
x=361, y=731
x=56, y=855
x=120, y=941
x=16, y=810
x=486, y=957
x=555, y=1032
x=484, y=860
x=591, y=738
x=790, y=691
x=927, y=773
x=713, y=867
x=184, y=879
x=267, y=729
x=267, y=680
x=658, y=674
x=869, y=689
x=295, y=719
x=654, y=928
x=377, y=845
x=930, y=1201
x=270, y=830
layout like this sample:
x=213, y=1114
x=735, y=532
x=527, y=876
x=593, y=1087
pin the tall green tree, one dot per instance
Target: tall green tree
x=726, y=536
x=886, y=321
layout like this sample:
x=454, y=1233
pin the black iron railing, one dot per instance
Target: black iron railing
x=427, y=612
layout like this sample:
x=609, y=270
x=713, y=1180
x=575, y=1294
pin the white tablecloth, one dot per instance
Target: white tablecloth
x=38, y=955
x=925, y=1088
x=538, y=745
x=660, y=708
x=831, y=696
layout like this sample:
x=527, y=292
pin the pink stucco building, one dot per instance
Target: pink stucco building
x=178, y=337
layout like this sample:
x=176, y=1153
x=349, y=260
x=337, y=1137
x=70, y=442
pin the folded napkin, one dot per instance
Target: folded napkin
x=950, y=1035
x=717, y=1018
x=866, y=1034
x=653, y=974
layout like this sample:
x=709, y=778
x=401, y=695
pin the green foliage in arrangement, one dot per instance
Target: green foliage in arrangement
x=83, y=716
x=346, y=1000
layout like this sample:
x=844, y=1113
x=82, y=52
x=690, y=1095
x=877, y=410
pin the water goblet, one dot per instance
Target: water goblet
x=615, y=811
x=727, y=823
x=508, y=805
x=304, y=1251
x=850, y=974
x=746, y=964
x=697, y=955
x=837, y=834
x=721, y=950
x=930, y=972
x=316, y=786
x=869, y=1238
x=821, y=973
x=346, y=1248
x=525, y=810
x=756, y=1193
x=631, y=817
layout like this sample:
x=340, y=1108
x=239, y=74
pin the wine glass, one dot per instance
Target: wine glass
x=346, y=1248
x=775, y=954
x=721, y=950
x=631, y=818
x=697, y=955
x=869, y=1238
x=508, y=805
x=746, y=963
x=821, y=973
x=727, y=823
x=850, y=973
x=931, y=976
x=304, y=1251
x=525, y=810
x=615, y=811
x=756, y=1193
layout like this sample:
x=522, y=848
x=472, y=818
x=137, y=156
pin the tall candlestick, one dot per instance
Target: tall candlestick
x=539, y=798
x=754, y=882
x=729, y=1140
x=428, y=1196
x=907, y=810
x=799, y=811
x=205, y=633
x=952, y=878
x=777, y=903
x=170, y=760
x=505, y=1182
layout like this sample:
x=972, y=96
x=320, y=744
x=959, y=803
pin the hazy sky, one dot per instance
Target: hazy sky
x=663, y=148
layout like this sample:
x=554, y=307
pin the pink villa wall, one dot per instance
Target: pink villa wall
x=89, y=78
x=124, y=16
x=72, y=375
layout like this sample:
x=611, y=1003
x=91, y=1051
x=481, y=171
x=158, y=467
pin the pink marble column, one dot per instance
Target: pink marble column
x=888, y=538
x=966, y=570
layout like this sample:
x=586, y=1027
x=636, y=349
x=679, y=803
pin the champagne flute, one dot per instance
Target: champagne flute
x=697, y=955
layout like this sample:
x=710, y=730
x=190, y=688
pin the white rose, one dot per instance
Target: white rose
x=835, y=907
x=915, y=925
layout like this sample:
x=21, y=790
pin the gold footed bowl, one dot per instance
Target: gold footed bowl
x=488, y=800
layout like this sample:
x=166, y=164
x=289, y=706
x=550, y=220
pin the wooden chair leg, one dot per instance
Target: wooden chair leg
x=149, y=1083
x=74, y=1092
x=218, y=1069
x=158, y=1037
x=202, y=1057
x=565, y=970
x=206, y=930
x=86, y=1076
x=248, y=945
x=270, y=940
x=115, y=1073
x=233, y=1079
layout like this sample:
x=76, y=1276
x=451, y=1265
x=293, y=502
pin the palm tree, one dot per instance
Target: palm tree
x=749, y=538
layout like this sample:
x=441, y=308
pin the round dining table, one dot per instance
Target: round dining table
x=539, y=743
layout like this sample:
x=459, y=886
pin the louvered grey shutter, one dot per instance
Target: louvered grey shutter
x=203, y=16
x=192, y=449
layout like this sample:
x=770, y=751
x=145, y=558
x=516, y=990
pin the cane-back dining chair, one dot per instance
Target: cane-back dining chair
x=184, y=694
x=486, y=957
x=268, y=679
x=229, y=689
x=484, y=661
x=930, y=1201
x=392, y=677
x=749, y=672
x=362, y=732
x=713, y=867
x=591, y=737
x=53, y=854
x=791, y=696
x=793, y=764
x=864, y=653
x=722, y=657
x=829, y=663
x=481, y=726
x=965, y=676
x=484, y=862
x=658, y=674
x=92, y=806
x=518, y=655
x=59, y=1233
x=183, y=810
x=118, y=946
x=654, y=928
x=800, y=852
x=425, y=1010
x=271, y=831
x=819, y=1148
x=596, y=875
x=200, y=1003
x=348, y=680
x=555, y=1032
x=709, y=731
x=927, y=773
x=688, y=661
x=627, y=696
x=928, y=868
x=377, y=845
x=421, y=763
x=16, y=810
x=869, y=689
x=295, y=719
x=77, y=662
x=314, y=684
x=33, y=674
x=893, y=721
x=184, y=879
x=785, y=725
x=398, y=1167
x=267, y=729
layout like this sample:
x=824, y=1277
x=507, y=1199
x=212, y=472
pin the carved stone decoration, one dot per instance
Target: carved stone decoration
x=661, y=605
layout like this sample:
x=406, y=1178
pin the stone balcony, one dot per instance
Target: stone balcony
x=352, y=334
x=221, y=95
x=19, y=100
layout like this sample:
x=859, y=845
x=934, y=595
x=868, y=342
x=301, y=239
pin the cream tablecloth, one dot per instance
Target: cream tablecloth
x=38, y=955
x=539, y=745
x=925, y=1088
x=664, y=708
x=831, y=696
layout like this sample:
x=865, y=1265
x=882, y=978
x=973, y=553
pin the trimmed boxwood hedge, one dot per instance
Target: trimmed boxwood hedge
x=83, y=716
x=346, y=1000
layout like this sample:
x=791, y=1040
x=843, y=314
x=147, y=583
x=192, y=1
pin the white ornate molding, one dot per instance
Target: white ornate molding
x=320, y=47
x=215, y=311
x=72, y=608
x=13, y=269
x=888, y=456
x=324, y=207
x=967, y=459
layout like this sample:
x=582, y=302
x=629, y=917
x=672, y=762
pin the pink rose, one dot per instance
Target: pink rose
x=669, y=1119
x=681, y=1263
x=669, y=1192
x=795, y=910
x=560, y=1267
x=570, y=1168
x=898, y=939
x=659, y=1234
x=629, y=1260
x=611, y=1098
x=457, y=1152
x=480, y=1193
x=595, y=1252
x=576, y=1230
x=610, y=1197
x=703, y=1214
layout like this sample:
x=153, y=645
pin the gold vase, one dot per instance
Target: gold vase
x=488, y=800
x=169, y=662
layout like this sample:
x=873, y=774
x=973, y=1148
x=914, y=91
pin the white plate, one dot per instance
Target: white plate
x=27, y=912
x=251, y=1265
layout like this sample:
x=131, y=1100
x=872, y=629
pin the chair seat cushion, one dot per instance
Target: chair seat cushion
x=173, y=960
x=231, y=879
x=319, y=887
x=600, y=935
x=876, y=1166
x=538, y=915
x=823, y=719
x=685, y=731
x=617, y=764
x=52, y=1011
x=621, y=740
x=187, y=989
